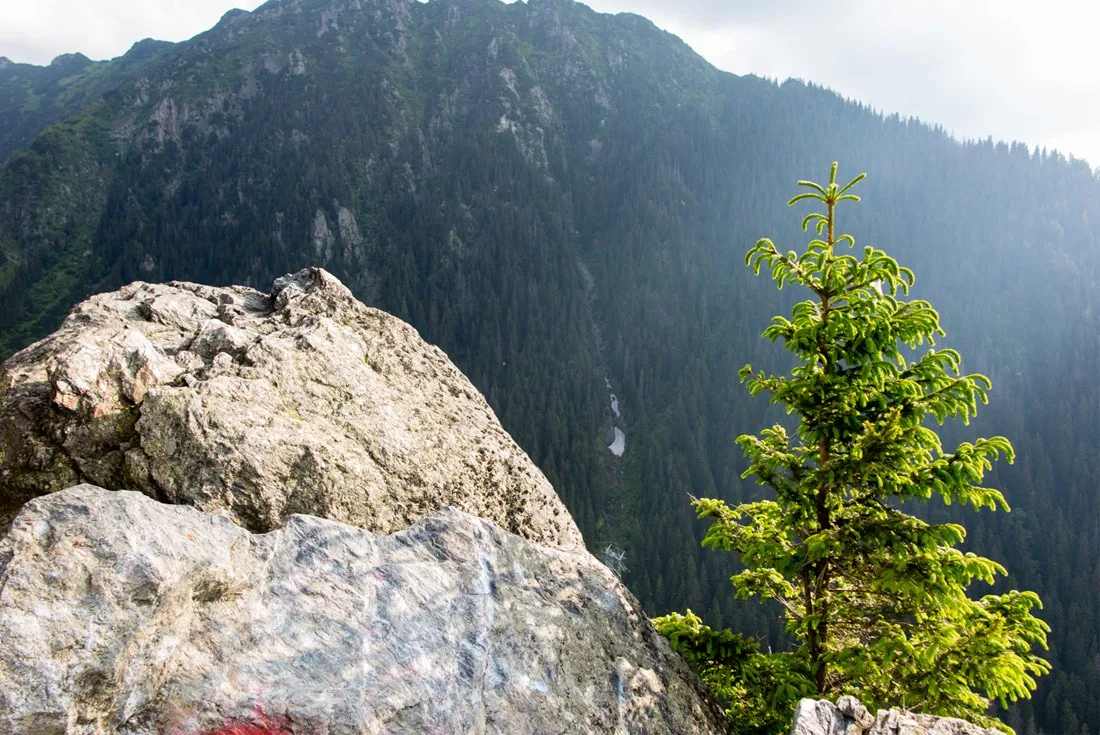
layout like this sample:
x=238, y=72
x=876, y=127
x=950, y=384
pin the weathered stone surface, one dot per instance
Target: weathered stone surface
x=301, y=401
x=849, y=717
x=121, y=614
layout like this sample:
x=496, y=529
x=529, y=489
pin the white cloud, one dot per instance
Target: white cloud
x=1007, y=68
x=1014, y=70
x=37, y=31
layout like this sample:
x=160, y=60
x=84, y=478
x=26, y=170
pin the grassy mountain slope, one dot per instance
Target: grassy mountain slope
x=35, y=97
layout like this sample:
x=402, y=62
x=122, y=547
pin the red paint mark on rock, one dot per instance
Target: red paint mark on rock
x=249, y=729
x=261, y=724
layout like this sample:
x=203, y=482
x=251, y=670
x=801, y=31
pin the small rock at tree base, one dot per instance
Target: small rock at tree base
x=849, y=717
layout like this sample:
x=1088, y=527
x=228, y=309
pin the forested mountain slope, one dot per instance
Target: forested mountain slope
x=469, y=166
x=35, y=97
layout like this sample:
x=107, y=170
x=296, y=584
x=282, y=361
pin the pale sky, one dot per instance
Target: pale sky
x=1011, y=69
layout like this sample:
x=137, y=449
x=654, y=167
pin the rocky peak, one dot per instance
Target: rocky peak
x=73, y=62
x=234, y=14
x=259, y=406
x=145, y=48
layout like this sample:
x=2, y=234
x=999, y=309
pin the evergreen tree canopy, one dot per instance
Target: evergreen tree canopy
x=876, y=598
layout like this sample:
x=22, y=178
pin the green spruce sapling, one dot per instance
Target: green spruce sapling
x=876, y=598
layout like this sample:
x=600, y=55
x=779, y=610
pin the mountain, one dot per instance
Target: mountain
x=562, y=201
x=35, y=97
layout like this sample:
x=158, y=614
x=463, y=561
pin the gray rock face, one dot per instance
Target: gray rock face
x=849, y=717
x=123, y=615
x=262, y=406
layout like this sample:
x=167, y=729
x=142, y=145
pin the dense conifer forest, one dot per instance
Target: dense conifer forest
x=562, y=201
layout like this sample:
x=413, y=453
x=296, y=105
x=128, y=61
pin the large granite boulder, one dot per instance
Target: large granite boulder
x=119, y=614
x=849, y=717
x=261, y=406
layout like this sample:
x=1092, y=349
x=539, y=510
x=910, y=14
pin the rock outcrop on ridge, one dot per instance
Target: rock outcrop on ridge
x=261, y=406
x=120, y=614
x=849, y=717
